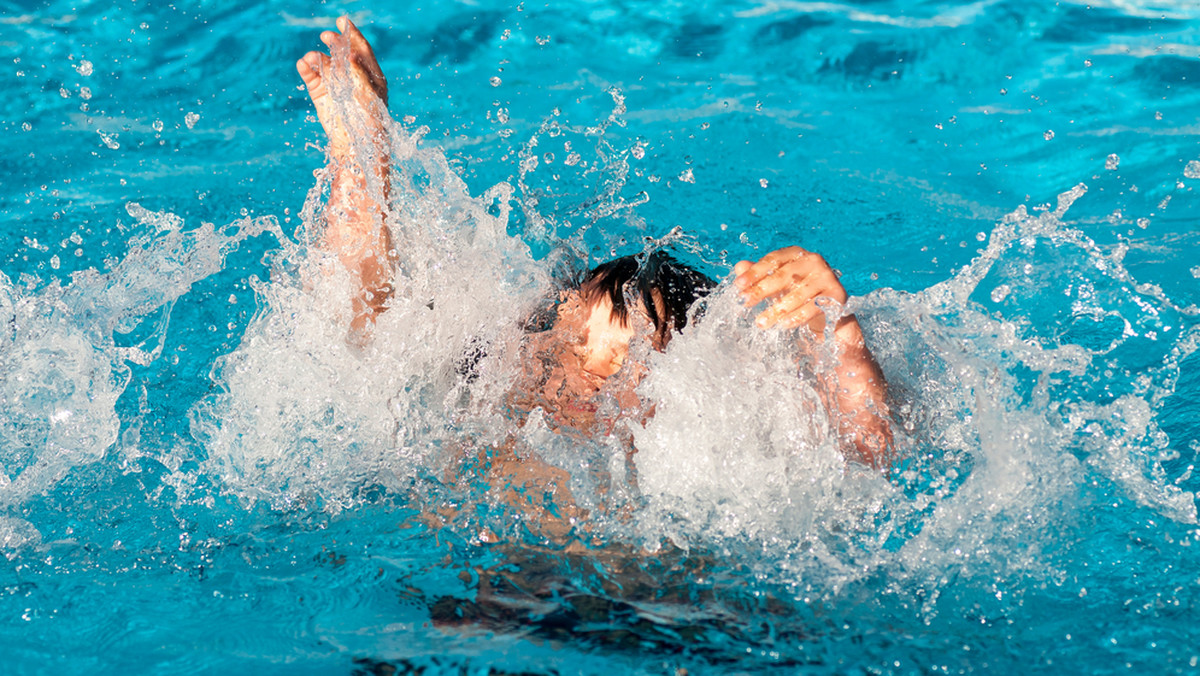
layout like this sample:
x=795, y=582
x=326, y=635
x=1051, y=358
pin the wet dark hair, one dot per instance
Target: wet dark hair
x=667, y=289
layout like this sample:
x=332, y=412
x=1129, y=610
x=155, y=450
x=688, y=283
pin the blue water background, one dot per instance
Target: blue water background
x=890, y=136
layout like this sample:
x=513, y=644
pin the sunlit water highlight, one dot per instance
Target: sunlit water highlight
x=201, y=472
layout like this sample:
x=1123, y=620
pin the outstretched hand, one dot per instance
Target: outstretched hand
x=792, y=279
x=316, y=69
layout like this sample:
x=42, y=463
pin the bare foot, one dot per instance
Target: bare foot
x=320, y=70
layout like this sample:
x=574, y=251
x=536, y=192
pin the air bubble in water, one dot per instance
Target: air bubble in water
x=1049, y=134
x=638, y=151
x=84, y=68
x=191, y=119
x=157, y=126
x=686, y=176
x=64, y=92
x=1087, y=63
x=502, y=113
x=762, y=182
x=548, y=158
x=1112, y=162
x=495, y=80
x=1192, y=170
x=85, y=93
x=1000, y=293
x=25, y=126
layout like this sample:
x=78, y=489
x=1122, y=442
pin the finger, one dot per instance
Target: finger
x=364, y=56
x=330, y=38
x=782, y=280
x=360, y=47
x=782, y=309
x=310, y=68
x=812, y=315
x=766, y=265
x=741, y=267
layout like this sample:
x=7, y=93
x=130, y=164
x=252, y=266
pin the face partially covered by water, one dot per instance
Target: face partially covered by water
x=587, y=345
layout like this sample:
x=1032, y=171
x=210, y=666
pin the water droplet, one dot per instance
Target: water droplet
x=1143, y=223
x=409, y=119
x=84, y=68
x=55, y=263
x=1112, y=162
x=541, y=39
x=548, y=158
x=25, y=126
x=1192, y=170
x=638, y=151
x=762, y=182
x=724, y=227
x=64, y=92
x=506, y=34
x=1196, y=272
x=758, y=105
x=191, y=119
x=1049, y=134
x=502, y=116
x=157, y=126
x=1087, y=63
x=85, y=93
x=1158, y=114
x=495, y=80
x=686, y=176
x=938, y=125
x=1003, y=91
x=572, y=159
x=980, y=236
x=110, y=140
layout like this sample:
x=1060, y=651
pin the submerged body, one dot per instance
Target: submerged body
x=589, y=340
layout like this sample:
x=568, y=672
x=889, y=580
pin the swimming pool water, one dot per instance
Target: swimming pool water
x=200, y=475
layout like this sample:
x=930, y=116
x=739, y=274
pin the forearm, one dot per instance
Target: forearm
x=356, y=231
x=855, y=392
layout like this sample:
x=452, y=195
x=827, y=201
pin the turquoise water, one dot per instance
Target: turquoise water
x=201, y=475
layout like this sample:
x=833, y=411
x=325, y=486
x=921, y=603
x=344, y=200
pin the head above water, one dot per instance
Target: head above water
x=666, y=288
x=653, y=291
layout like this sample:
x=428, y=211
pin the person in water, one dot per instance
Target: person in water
x=590, y=336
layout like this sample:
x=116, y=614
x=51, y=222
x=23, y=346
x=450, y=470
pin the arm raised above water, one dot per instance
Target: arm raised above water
x=792, y=279
x=355, y=220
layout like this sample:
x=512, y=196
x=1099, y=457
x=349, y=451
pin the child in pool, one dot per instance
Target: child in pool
x=591, y=334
